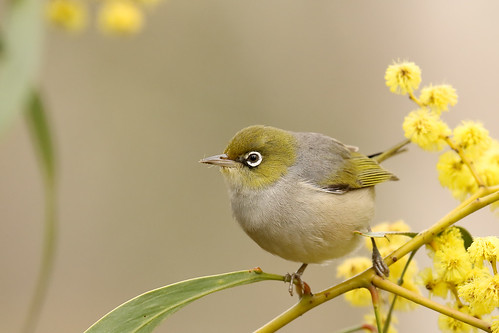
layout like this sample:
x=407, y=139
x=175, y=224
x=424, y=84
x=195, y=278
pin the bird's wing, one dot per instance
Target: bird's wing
x=335, y=167
x=357, y=171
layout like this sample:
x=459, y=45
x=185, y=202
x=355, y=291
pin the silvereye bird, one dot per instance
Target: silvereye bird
x=301, y=196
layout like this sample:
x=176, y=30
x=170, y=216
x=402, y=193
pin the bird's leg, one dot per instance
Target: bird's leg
x=301, y=287
x=378, y=263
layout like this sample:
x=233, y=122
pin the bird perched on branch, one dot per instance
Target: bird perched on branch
x=300, y=195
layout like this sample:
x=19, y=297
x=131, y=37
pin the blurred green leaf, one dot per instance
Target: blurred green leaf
x=143, y=313
x=21, y=52
x=40, y=131
x=42, y=142
x=1, y=44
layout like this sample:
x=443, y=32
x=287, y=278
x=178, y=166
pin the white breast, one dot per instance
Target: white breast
x=315, y=228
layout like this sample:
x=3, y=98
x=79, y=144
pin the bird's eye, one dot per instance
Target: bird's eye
x=253, y=159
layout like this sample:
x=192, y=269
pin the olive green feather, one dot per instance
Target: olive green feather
x=277, y=147
x=369, y=172
x=358, y=171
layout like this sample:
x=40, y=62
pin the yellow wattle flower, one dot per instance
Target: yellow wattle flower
x=403, y=77
x=120, y=17
x=353, y=266
x=455, y=175
x=149, y=2
x=449, y=238
x=472, y=291
x=397, y=268
x=472, y=137
x=359, y=297
x=70, y=15
x=438, y=98
x=484, y=249
x=495, y=324
x=452, y=264
x=487, y=294
x=349, y=268
x=436, y=287
x=488, y=165
x=425, y=129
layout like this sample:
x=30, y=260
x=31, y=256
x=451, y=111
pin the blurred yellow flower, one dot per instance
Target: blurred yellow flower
x=455, y=175
x=67, y=14
x=484, y=297
x=473, y=291
x=477, y=273
x=404, y=304
x=438, y=98
x=389, y=243
x=359, y=297
x=149, y=2
x=495, y=324
x=488, y=165
x=403, y=77
x=452, y=264
x=484, y=249
x=120, y=17
x=349, y=268
x=472, y=137
x=398, y=267
x=436, y=287
x=353, y=266
x=449, y=238
x=425, y=129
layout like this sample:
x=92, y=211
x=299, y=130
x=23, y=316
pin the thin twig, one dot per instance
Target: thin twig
x=469, y=163
x=426, y=302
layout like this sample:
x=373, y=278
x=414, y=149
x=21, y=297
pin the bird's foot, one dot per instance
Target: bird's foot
x=302, y=288
x=379, y=265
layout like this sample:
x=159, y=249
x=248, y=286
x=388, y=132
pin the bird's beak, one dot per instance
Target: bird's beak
x=220, y=160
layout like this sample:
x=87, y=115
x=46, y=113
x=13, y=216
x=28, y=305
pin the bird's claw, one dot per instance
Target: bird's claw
x=294, y=279
x=379, y=264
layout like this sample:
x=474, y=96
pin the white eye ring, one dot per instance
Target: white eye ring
x=253, y=159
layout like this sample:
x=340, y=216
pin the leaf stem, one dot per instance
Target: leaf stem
x=415, y=99
x=396, y=149
x=455, y=294
x=376, y=307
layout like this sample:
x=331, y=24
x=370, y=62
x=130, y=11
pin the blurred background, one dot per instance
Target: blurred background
x=131, y=117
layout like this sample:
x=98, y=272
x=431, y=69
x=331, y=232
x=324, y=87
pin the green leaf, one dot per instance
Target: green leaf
x=143, y=313
x=42, y=142
x=21, y=37
x=383, y=234
x=465, y=234
x=41, y=135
